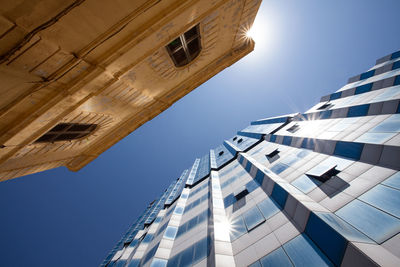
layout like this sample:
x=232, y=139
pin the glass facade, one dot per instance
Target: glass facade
x=320, y=188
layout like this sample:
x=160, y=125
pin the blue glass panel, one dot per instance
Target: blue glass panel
x=375, y=138
x=376, y=224
x=342, y=227
x=158, y=263
x=279, y=167
x=333, y=244
x=397, y=80
x=367, y=74
x=279, y=195
x=387, y=94
x=357, y=111
x=305, y=183
x=253, y=218
x=134, y=243
x=191, y=224
x=241, y=158
x=269, y=121
x=384, y=198
x=395, y=55
x=363, y=88
x=272, y=138
x=238, y=228
x=277, y=257
x=120, y=263
x=268, y=208
x=303, y=252
x=186, y=257
x=290, y=160
x=251, y=186
x=174, y=261
x=335, y=96
x=393, y=181
x=178, y=210
x=200, y=250
x=308, y=143
x=326, y=114
x=256, y=264
x=248, y=166
x=182, y=229
x=390, y=125
x=287, y=140
x=229, y=200
x=149, y=254
x=348, y=149
x=170, y=233
x=259, y=177
x=148, y=238
x=396, y=65
x=134, y=263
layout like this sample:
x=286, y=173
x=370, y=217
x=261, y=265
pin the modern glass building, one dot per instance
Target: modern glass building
x=320, y=188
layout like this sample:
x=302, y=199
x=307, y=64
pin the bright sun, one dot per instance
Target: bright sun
x=259, y=32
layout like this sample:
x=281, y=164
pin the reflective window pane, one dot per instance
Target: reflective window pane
x=253, y=218
x=158, y=263
x=256, y=264
x=375, y=138
x=276, y=258
x=305, y=183
x=303, y=252
x=384, y=198
x=268, y=208
x=279, y=167
x=376, y=224
x=393, y=181
x=170, y=233
x=348, y=149
x=238, y=228
x=178, y=210
x=134, y=263
x=390, y=125
x=200, y=250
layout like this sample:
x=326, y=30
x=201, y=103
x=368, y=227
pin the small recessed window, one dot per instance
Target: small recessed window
x=241, y=193
x=220, y=153
x=323, y=172
x=294, y=128
x=240, y=140
x=325, y=106
x=186, y=47
x=67, y=132
x=272, y=154
x=234, y=138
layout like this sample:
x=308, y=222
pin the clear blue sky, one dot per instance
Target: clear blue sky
x=309, y=49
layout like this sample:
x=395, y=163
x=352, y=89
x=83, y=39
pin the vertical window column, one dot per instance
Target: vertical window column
x=222, y=242
x=159, y=259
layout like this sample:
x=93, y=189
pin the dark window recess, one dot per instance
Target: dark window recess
x=325, y=106
x=323, y=174
x=66, y=132
x=240, y=140
x=234, y=138
x=220, y=153
x=186, y=47
x=294, y=128
x=272, y=154
x=241, y=193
